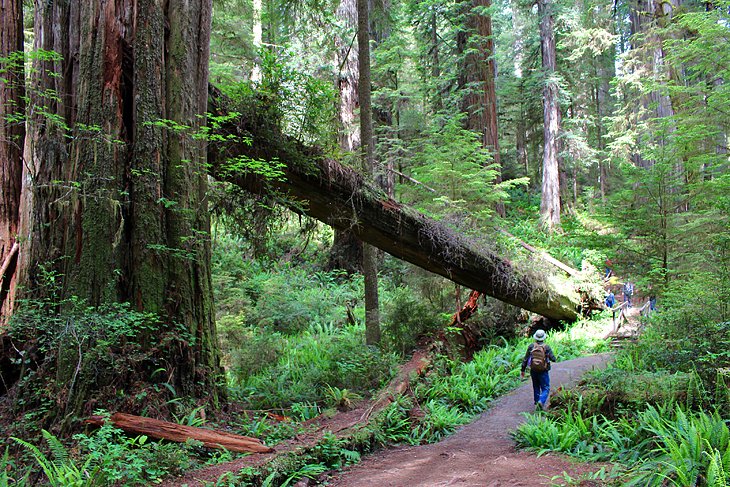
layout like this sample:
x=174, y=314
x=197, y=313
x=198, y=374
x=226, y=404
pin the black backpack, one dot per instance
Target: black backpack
x=538, y=358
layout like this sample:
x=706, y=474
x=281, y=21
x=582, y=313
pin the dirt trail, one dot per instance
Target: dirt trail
x=480, y=454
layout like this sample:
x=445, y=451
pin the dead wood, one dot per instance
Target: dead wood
x=548, y=258
x=338, y=196
x=165, y=430
x=415, y=367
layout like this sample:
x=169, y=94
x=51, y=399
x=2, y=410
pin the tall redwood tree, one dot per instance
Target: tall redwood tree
x=114, y=199
x=12, y=135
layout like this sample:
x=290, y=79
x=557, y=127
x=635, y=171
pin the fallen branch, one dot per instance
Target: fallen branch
x=549, y=258
x=8, y=260
x=420, y=361
x=165, y=430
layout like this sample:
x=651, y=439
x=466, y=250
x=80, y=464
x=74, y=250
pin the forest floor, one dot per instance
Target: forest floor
x=479, y=454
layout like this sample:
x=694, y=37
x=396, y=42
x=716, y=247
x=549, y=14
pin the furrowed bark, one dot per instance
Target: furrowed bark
x=340, y=197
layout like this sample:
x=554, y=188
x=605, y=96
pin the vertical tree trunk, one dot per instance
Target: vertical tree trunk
x=550, y=203
x=12, y=136
x=347, y=250
x=480, y=101
x=438, y=103
x=370, y=262
x=257, y=41
x=119, y=210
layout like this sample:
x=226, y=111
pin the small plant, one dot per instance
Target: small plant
x=341, y=399
x=60, y=469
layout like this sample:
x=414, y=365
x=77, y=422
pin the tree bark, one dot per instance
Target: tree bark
x=164, y=430
x=480, y=102
x=369, y=254
x=12, y=138
x=550, y=202
x=347, y=251
x=340, y=197
x=114, y=202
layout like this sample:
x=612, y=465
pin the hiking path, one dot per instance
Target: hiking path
x=481, y=453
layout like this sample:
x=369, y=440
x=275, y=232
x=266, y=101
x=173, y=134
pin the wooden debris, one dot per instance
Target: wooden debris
x=416, y=366
x=165, y=430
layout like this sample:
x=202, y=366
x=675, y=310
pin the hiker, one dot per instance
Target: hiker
x=652, y=299
x=610, y=299
x=609, y=269
x=628, y=292
x=538, y=357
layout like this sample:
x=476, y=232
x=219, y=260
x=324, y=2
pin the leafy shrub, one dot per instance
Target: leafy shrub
x=311, y=364
x=406, y=318
x=108, y=457
x=658, y=446
x=70, y=346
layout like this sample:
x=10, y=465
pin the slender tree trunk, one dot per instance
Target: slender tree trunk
x=12, y=138
x=370, y=257
x=550, y=203
x=257, y=40
x=118, y=209
x=438, y=103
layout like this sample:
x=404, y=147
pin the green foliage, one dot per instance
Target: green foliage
x=60, y=470
x=658, y=445
x=407, y=316
x=82, y=345
x=108, y=457
x=314, y=364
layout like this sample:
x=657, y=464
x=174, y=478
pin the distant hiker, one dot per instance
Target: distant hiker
x=609, y=269
x=538, y=358
x=652, y=299
x=610, y=299
x=628, y=292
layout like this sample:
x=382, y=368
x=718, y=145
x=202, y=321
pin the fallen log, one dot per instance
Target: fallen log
x=165, y=430
x=338, y=196
x=415, y=367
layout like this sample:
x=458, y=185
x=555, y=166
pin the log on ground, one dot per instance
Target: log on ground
x=165, y=430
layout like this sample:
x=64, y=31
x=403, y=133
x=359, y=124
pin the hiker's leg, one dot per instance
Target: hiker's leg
x=544, y=387
x=536, y=384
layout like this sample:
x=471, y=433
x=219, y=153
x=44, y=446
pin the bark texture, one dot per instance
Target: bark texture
x=369, y=254
x=12, y=135
x=480, y=100
x=550, y=202
x=114, y=199
x=164, y=430
x=340, y=197
x=347, y=251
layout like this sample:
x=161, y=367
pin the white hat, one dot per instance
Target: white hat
x=539, y=335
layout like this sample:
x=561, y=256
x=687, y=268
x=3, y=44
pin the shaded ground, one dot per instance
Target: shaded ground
x=479, y=454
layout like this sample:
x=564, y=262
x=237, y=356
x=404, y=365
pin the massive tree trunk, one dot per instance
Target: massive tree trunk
x=480, y=101
x=114, y=201
x=550, y=203
x=12, y=136
x=367, y=142
x=346, y=251
x=340, y=197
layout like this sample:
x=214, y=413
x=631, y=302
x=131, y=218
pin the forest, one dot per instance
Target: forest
x=282, y=242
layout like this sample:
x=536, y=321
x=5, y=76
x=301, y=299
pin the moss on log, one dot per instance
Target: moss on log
x=339, y=196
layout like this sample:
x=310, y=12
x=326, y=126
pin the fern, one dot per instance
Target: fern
x=61, y=471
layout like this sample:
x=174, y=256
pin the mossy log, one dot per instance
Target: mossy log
x=165, y=430
x=340, y=197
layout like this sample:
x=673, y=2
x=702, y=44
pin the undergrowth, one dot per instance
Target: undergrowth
x=661, y=412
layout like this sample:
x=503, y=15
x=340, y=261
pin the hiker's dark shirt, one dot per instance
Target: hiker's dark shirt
x=548, y=354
